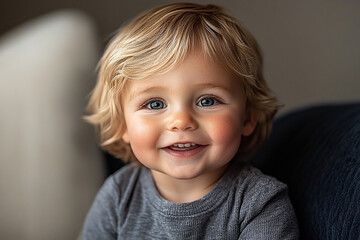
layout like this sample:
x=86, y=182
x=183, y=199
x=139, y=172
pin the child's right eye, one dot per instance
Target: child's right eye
x=154, y=104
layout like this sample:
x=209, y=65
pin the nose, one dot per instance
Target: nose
x=182, y=121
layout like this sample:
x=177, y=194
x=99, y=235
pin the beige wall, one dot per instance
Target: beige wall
x=311, y=48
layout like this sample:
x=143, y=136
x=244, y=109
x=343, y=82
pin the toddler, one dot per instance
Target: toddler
x=181, y=97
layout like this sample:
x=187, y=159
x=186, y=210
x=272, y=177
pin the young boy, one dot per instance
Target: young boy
x=181, y=96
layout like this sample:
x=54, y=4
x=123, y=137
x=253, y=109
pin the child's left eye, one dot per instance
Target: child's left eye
x=207, y=102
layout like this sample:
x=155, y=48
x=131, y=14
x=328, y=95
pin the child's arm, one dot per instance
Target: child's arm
x=101, y=221
x=269, y=214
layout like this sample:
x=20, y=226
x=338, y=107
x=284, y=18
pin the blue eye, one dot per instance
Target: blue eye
x=155, y=104
x=207, y=102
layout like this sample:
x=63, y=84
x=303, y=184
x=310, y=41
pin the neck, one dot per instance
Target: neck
x=188, y=190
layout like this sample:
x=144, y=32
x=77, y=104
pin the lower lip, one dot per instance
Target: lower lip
x=184, y=153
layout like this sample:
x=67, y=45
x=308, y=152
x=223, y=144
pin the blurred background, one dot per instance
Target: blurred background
x=50, y=167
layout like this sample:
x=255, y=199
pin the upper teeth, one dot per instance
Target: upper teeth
x=181, y=145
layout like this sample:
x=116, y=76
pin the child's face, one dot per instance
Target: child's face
x=188, y=122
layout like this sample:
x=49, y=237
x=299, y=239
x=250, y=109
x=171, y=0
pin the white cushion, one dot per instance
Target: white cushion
x=50, y=167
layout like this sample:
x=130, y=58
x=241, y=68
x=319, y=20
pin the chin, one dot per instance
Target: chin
x=183, y=174
x=185, y=177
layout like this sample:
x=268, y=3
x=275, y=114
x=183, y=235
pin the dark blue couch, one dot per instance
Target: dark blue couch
x=316, y=151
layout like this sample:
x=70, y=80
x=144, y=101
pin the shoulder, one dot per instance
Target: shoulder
x=258, y=191
x=126, y=174
x=116, y=184
x=254, y=181
x=123, y=180
x=102, y=219
x=265, y=208
x=250, y=181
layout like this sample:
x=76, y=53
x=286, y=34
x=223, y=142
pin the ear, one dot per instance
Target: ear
x=250, y=122
x=125, y=137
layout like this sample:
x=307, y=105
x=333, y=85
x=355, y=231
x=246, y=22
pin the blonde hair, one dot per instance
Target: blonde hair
x=159, y=40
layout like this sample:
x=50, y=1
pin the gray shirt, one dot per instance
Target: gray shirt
x=245, y=204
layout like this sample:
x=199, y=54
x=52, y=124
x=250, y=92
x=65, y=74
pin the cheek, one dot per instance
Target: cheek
x=225, y=129
x=142, y=134
x=226, y=135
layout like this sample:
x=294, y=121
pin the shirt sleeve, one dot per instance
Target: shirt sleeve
x=101, y=220
x=269, y=214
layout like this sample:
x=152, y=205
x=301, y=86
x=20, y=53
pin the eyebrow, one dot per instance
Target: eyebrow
x=134, y=94
x=210, y=86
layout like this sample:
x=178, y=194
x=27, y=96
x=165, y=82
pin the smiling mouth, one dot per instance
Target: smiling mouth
x=184, y=146
x=184, y=150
